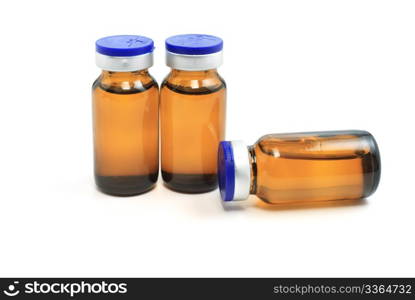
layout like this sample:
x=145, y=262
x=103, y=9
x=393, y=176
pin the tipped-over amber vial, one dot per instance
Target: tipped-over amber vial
x=125, y=110
x=300, y=167
x=192, y=113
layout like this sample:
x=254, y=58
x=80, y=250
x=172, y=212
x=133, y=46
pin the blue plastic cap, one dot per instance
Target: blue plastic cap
x=226, y=171
x=194, y=44
x=124, y=45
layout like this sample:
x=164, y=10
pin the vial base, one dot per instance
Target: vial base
x=126, y=185
x=190, y=183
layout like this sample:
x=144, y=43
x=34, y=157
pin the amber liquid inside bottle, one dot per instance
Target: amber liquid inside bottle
x=314, y=166
x=192, y=119
x=125, y=108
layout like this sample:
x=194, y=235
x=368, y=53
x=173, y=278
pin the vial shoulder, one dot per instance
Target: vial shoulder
x=154, y=81
x=96, y=83
x=222, y=80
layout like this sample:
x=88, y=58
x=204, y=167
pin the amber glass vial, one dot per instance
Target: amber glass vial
x=192, y=113
x=301, y=167
x=125, y=116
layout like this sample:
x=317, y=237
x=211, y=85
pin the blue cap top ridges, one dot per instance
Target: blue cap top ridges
x=226, y=171
x=194, y=44
x=124, y=45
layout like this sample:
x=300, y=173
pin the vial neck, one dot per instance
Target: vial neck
x=253, y=167
x=194, y=74
x=123, y=76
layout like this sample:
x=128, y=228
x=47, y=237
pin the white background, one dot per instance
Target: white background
x=289, y=65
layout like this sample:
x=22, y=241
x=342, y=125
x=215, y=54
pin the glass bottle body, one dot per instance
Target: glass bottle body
x=192, y=119
x=315, y=166
x=125, y=119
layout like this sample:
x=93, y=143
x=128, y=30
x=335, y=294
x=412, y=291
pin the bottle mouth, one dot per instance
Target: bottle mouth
x=226, y=171
x=233, y=170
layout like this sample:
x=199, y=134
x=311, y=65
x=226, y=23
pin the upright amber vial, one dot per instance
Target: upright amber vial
x=125, y=111
x=301, y=167
x=192, y=113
